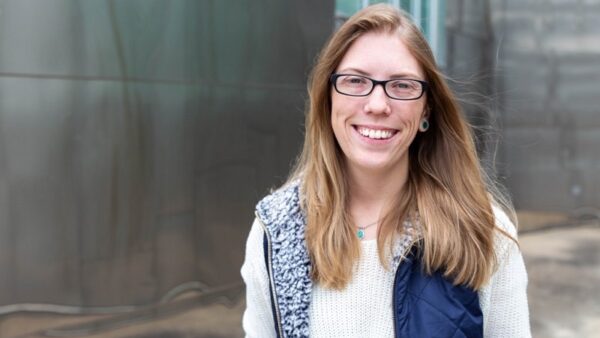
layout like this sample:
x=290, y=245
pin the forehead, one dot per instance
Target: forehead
x=380, y=55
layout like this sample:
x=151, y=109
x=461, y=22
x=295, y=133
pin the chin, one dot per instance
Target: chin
x=373, y=165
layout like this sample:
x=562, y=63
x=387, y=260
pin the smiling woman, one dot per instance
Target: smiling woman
x=387, y=227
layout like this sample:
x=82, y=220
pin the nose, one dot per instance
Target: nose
x=378, y=101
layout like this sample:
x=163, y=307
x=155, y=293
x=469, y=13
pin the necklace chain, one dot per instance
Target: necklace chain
x=361, y=230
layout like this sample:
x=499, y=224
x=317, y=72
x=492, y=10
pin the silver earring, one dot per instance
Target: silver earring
x=424, y=125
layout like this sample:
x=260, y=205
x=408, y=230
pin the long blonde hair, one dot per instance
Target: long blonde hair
x=446, y=185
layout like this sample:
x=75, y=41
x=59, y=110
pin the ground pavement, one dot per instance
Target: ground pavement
x=563, y=263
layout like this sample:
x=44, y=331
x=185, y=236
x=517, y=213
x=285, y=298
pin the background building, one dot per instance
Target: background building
x=136, y=137
x=547, y=82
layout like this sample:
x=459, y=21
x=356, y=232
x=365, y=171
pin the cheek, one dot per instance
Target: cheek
x=414, y=113
x=337, y=125
x=337, y=115
x=336, y=105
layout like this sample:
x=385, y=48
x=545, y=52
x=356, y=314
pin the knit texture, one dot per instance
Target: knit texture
x=363, y=308
x=503, y=301
x=289, y=257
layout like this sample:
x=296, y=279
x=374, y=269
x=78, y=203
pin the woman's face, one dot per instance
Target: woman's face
x=375, y=131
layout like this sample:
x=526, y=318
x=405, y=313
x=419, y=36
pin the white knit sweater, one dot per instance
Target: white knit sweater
x=364, y=307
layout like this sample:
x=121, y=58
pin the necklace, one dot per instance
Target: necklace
x=361, y=230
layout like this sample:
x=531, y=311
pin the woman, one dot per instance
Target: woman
x=387, y=227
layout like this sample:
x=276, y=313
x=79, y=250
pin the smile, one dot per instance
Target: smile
x=375, y=134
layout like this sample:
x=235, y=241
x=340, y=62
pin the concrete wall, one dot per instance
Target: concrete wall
x=469, y=64
x=531, y=71
x=548, y=82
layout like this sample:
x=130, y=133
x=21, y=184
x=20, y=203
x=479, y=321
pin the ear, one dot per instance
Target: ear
x=427, y=112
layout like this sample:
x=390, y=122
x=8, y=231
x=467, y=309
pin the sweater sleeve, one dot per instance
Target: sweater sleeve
x=504, y=299
x=258, y=318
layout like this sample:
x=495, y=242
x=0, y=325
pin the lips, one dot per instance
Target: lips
x=375, y=133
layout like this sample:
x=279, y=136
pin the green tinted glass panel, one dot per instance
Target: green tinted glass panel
x=425, y=18
x=347, y=7
x=405, y=4
x=420, y=10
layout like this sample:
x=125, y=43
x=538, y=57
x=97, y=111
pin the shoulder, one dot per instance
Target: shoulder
x=503, y=222
x=505, y=234
x=255, y=237
x=254, y=256
x=280, y=205
x=504, y=299
x=289, y=192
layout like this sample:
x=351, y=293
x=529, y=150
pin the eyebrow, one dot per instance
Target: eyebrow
x=394, y=76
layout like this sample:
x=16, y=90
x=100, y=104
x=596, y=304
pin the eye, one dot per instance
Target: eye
x=402, y=85
x=353, y=80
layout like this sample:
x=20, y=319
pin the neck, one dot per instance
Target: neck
x=372, y=190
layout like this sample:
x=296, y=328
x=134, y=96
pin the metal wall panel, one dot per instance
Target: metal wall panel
x=136, y=137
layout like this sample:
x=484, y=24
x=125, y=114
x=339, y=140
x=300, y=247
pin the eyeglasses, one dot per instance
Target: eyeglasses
x=397, y=89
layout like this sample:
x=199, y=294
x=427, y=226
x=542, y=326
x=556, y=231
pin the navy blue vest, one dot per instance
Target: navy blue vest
x=431, y=306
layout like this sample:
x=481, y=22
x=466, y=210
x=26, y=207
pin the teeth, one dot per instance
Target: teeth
x=375, y=134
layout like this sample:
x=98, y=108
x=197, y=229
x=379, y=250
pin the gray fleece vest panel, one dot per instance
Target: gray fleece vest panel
x=284, y=220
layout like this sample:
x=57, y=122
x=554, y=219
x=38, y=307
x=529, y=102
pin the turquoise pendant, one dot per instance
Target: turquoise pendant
x=360, y=233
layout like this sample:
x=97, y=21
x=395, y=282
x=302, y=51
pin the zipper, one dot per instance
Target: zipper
x=394, y=299
x=272, y=281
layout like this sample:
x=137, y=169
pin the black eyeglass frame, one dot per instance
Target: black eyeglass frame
x=333, y=80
